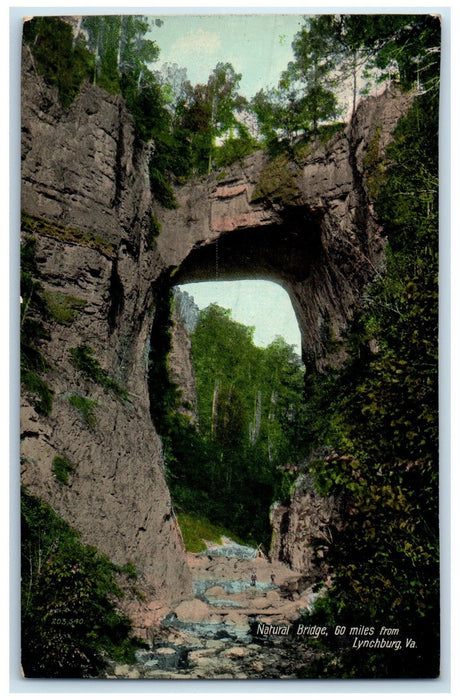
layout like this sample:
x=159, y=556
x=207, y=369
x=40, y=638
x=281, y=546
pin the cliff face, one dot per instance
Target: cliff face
x=180, y=361
x=84, y=176
x=86, y=194
x=302, y=529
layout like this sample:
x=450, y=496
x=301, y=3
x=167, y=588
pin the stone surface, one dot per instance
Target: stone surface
x=300, y=527
x=258, y=641
x=182, y=372
x=312, y=229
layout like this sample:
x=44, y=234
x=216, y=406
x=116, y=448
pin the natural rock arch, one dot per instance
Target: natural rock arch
x=307, y=224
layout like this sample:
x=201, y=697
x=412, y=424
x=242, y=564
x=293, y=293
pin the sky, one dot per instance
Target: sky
x=259, y=47
x=264, y=305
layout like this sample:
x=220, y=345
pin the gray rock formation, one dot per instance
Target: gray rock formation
x=303, y=529
x=307, y=225
x=180, y=361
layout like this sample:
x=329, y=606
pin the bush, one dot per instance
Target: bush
x=62, y=468
x=63, y=308
x=82, y=358
x=85, y=407
x=70, y=623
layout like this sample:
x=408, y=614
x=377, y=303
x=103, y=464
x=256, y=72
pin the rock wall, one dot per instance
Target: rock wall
x=303, y=530
x=182, y=373
x=84, y=173
x=86, y=194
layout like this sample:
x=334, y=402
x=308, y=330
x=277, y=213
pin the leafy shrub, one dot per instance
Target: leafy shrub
x=70, y=622
x=85, y=407
x=82, y=358
x=62, y=468
x=154, y=231
x=63, y=308
x=34, y=384
x=235, y=148
x=62, y=62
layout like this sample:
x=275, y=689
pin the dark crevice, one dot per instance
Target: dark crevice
x=116, y=297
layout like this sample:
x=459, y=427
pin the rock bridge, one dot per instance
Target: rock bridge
x=306, y=223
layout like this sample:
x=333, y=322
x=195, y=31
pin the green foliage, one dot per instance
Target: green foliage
x=62, y=469
x=313, y=73
x=196, y=529
x=381, y=410
x=82, y=358
x=277, y=182
x=235, y=148
x=402, y=47
x=154, y=230
x=327, y=131
x=33, y=310
x=163, y=394
x=85, y=407
x=63, y=308
x=130, y=571
x=249, y=402
x=374, y=167
x=207, y=112
x=333, y=51
x=70, y=623
x=33, y=383
x=119, y=46
x=62, y=61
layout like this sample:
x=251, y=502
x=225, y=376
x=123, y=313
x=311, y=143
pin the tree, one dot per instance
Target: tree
x=313, y=73
x=332, y=51
x=402, y=46
x=208, y=112
x=120, y=48
x=174, y=82
x=280, y=115
x=61, y=59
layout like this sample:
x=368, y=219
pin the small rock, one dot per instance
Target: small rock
x=235, y=652
x=122, y=670
x=133, y=673
x=200, y=654
x=193, y=611
x=165, y=651
x=215, y=591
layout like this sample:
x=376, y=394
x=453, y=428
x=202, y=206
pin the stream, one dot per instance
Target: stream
x=239, y=625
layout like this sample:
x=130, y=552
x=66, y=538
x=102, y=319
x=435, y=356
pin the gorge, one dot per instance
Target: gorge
x=307, y=224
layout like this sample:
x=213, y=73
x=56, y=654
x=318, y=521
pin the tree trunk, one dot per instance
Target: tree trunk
x=215, y=400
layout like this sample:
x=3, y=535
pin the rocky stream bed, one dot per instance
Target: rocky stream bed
x=234, y=627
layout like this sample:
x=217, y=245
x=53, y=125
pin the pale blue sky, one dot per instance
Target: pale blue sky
x=257, y=45
x=264, y=305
